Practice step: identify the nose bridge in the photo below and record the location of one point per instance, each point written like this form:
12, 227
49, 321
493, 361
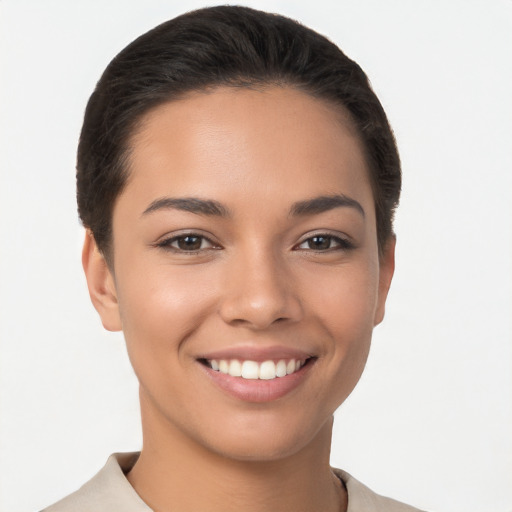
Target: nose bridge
259, 290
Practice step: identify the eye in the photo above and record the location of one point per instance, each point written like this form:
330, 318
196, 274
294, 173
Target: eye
187, 243
322, 242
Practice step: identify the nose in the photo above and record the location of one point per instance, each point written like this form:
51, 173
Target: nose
259, 292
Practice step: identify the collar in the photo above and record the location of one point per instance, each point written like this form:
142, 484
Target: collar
110, 490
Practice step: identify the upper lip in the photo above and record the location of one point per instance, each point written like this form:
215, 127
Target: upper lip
257, 353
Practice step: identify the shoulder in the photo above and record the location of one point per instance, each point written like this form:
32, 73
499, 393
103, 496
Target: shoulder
107, 491
363, 499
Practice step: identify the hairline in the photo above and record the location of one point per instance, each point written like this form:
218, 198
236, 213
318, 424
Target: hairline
344, 116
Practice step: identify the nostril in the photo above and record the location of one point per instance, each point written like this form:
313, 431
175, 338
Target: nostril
260, 303
257, 322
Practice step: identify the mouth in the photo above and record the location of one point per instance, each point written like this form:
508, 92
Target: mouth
257, 379
256, 370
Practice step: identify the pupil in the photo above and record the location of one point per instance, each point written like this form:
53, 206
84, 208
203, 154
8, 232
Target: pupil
319, 242
189, 243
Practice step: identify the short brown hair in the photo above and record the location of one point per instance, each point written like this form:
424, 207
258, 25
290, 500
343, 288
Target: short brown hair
231, 46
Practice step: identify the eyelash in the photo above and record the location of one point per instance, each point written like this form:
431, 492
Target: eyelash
339, 243
168, 243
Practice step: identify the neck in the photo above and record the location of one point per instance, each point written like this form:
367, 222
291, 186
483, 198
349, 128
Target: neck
175, 472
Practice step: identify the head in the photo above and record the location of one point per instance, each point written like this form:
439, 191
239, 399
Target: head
222, 46
238, 177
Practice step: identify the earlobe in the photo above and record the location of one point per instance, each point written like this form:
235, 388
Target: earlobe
386, 271
100, 282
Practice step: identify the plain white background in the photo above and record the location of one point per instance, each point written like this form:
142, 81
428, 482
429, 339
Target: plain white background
430, 421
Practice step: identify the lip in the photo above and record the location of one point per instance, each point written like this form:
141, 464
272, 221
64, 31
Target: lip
257, 390
258, 354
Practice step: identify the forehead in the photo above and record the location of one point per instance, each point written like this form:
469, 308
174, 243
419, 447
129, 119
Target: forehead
233, 141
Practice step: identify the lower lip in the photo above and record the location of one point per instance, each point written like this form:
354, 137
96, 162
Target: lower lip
259, 390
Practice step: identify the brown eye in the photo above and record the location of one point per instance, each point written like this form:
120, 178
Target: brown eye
319, 243
187, 243
324, 243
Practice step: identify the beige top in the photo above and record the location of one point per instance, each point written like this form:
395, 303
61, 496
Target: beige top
110, 491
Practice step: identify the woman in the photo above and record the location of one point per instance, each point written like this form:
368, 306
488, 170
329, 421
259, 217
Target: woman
237, 178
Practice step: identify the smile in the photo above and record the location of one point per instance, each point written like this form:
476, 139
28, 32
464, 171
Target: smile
252, 370
257, 374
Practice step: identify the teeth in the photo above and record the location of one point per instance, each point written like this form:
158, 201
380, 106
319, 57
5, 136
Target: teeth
223, 366
281, 369
250, 370
235, 368
267, 370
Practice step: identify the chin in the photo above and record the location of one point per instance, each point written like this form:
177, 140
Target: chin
266, 442
262, 451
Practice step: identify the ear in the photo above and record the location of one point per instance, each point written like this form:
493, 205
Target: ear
101, 284
386, 271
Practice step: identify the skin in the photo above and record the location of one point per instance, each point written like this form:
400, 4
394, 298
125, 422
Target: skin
260, 281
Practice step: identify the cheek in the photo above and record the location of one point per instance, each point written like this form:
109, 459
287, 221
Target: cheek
347, 298
347, 315
160, 308
159, 313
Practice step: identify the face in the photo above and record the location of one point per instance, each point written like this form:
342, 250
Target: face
246, 274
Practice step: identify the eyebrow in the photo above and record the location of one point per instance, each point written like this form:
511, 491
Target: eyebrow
188, 204
209, 207
325, 203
